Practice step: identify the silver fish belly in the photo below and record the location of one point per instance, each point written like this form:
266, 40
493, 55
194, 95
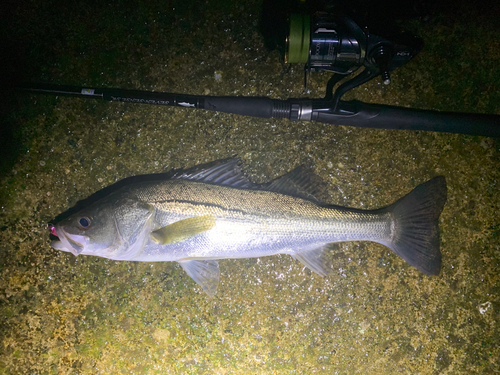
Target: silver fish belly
205, 214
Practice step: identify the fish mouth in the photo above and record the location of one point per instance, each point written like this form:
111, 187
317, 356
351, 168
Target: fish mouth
72, 243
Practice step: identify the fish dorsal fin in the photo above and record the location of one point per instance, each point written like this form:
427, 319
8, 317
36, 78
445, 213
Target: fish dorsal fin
183, 229
204, 272
300, 182
226, 172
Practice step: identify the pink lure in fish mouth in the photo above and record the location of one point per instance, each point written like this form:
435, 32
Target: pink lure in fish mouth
52, 229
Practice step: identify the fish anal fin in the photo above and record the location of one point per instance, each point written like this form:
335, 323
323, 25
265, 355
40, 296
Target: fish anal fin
313, 259
204, 272
183, 229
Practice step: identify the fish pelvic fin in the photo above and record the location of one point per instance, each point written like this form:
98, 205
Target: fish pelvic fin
415, 235
205, 272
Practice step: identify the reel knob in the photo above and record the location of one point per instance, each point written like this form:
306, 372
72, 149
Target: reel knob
382, 56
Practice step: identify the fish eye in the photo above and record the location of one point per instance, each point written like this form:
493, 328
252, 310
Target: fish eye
84, 222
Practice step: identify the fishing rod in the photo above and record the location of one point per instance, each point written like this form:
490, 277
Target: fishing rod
349, 113
323, 41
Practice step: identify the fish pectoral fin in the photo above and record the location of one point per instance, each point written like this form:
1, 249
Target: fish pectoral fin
204, 272
183, 229
313, 259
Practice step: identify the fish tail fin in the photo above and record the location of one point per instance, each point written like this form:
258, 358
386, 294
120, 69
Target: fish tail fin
415, 234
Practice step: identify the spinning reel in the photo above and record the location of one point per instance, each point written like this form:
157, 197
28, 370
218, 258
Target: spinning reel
328, 42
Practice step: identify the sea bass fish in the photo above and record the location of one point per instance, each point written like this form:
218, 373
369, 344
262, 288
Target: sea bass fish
214, 212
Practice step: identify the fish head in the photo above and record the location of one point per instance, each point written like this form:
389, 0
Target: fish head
109, 228
91, 231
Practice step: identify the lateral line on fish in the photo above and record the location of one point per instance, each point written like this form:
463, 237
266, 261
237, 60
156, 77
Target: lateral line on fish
194, 203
